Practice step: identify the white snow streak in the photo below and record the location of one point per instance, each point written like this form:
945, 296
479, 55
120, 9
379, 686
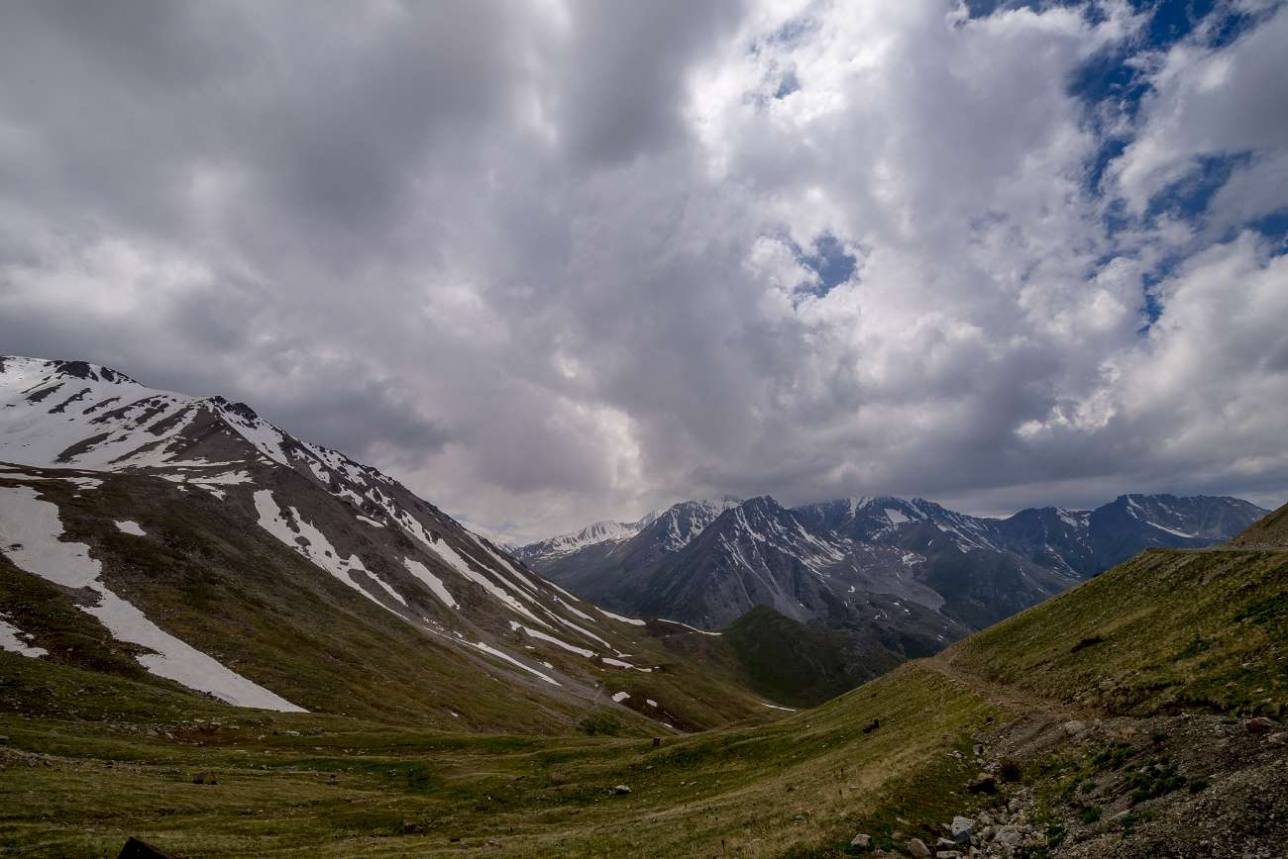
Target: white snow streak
34, 526
15, 640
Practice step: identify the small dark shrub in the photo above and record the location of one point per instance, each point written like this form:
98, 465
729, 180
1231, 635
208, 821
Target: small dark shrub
602, 724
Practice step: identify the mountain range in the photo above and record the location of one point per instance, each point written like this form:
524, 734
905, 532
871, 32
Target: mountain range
902, 577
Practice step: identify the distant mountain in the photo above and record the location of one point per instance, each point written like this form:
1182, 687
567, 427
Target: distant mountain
187, 543
949, 572
601, 559
676, 526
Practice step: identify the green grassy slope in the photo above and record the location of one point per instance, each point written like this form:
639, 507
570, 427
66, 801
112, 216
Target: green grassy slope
1198, 631
802, 665
1270, 531
237, 594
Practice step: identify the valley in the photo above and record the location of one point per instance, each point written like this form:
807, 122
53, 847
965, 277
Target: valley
225, 641
1022, 702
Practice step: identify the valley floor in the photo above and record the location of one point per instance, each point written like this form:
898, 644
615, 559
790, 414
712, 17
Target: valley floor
1140, 715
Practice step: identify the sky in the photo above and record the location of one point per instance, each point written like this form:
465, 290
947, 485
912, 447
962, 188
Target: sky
557, 261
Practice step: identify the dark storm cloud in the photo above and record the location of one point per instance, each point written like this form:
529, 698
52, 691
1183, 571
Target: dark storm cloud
559, 261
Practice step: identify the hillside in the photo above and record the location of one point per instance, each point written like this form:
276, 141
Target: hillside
185, 543
1117, 719
1271, 531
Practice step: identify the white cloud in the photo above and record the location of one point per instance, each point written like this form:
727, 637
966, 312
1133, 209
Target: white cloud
547, 263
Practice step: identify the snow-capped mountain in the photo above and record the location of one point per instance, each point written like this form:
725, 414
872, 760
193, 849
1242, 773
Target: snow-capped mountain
599, 566
970, 570
677, 525
877, 520
206, 546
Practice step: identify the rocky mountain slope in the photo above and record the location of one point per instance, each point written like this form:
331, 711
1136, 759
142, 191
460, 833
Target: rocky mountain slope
970, 570
1271, 531
1139, 715
187, 543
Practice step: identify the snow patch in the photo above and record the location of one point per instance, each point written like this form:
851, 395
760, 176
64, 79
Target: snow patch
308, 541
35, 527
501, 654
431, 581
691, 628
15, 640
633, 621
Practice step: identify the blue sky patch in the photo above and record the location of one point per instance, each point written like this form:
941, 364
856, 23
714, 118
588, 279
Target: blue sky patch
830, 261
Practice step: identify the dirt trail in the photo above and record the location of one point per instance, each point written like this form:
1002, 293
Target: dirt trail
1008, 697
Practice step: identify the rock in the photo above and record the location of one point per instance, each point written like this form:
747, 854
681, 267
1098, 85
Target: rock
411, 827
871, 726
1009, 836
205, 778
982, 783
918, 848
961, 829
1279, 739
1258, 725
621, 790
1075, 727
862, 841
948, 854
136, 849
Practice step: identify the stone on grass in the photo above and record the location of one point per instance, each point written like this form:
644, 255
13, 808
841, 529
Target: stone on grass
961, 829
863, 841
1009, 836
918, 848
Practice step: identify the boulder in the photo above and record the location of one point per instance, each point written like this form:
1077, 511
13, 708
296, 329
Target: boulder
1279, 739
137, 849
1009, 836
982, 783
621, 790
918, 848
1258, 725
961, 829
862, 841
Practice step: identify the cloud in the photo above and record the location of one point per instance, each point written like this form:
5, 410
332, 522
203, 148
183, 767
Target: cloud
566, 261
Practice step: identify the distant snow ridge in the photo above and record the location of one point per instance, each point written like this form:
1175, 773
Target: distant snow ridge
31, 530
677, 525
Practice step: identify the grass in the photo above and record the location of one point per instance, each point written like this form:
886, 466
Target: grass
345, 786
117, 756
272, 616
1201, 630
